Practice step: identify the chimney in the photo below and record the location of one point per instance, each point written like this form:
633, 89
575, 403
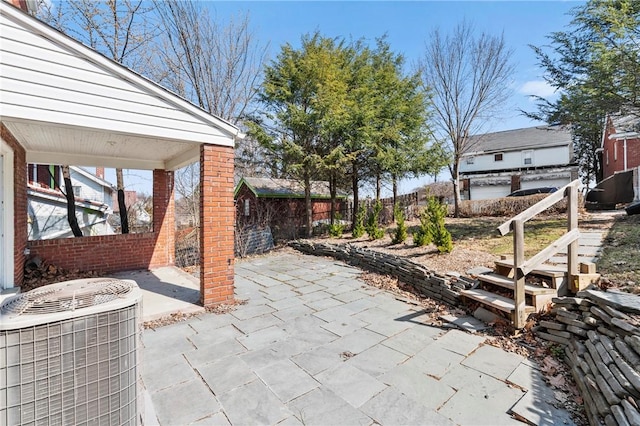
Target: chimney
100, 172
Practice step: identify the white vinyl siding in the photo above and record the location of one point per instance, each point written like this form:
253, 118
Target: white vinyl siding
80, 92
553, 156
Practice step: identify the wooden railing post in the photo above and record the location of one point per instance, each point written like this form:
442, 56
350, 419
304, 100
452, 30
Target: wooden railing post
519, 315
572, 223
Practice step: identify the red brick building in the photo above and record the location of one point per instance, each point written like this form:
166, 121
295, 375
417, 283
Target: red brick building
621, 144
280, 204
64, 103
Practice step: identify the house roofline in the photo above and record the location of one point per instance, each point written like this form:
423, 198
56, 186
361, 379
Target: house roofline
279, 195
127, 74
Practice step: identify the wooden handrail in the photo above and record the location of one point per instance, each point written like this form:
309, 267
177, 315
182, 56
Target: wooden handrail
539, 207
544, 255
522, 266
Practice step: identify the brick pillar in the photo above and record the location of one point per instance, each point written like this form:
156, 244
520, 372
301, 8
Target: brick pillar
217, 216
164, 221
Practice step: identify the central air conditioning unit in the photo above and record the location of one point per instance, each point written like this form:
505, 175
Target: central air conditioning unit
70, 354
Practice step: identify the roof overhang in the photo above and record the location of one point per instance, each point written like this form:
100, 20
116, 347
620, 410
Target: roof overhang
51, 136
624, 135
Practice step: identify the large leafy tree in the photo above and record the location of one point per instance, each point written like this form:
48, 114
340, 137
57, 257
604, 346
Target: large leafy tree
595, 66
468, 76
299, 95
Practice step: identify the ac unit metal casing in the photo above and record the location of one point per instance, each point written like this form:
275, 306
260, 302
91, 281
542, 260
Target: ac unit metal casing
70, 354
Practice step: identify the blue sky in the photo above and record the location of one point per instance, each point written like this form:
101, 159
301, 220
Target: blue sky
408, 25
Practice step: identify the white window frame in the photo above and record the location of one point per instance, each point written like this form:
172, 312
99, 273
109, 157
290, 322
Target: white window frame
471, 159
527, 155
495, 157
247, 207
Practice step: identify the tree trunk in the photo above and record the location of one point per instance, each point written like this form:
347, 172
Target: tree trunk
354, 188
378, 186
71, 203
456, 188
394, 183
124, 219
332, 193
307, 204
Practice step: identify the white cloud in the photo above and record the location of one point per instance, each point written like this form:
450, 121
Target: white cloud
537, 88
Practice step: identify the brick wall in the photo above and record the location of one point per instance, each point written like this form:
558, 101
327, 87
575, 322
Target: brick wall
106, 253
19, 202
216, 225
613, 155
110, 253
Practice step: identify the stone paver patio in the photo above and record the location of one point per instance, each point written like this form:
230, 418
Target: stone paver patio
314, 345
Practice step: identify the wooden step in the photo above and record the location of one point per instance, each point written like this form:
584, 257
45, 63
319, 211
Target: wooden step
501, 281
551, 271
495, 301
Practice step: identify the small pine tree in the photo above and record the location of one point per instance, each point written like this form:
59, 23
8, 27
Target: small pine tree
337, 228
422, 236
373, 229
440, 236
358, 227
400, 234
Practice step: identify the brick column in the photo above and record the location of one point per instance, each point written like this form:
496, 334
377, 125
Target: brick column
164, 221
19, 204
217, 218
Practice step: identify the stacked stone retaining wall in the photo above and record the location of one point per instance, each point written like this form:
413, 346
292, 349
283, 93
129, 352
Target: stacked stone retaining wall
602, 347
423, 280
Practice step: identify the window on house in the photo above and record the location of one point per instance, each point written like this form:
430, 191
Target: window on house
77, 191
527, 158
497, 157
607, 157
615, 151
247, 207
470, 160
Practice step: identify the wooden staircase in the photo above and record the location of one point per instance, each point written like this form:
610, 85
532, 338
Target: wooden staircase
513, 286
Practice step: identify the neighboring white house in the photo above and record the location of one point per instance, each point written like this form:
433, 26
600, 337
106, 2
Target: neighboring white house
47, 206
502, 162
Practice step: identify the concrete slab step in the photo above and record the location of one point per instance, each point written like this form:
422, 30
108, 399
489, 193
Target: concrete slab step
495, 301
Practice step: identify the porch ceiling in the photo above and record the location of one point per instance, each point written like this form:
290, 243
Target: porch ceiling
48, 143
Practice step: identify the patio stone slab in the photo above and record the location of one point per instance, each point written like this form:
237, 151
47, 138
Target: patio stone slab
356, 342
389, 327
317, 360
393, 408
214, 352
214, 336
218, 419
286, 303
286, 380
254, 404
226, 374
322, 304
161, 373
262, 338
484, 401
323, 407
493, 361
434, 361
251, 311
293, 312
467, 323
193, 394
344, 326
333, 314
413, 340
460, 342
351, 384
425, 390
254, 324
350, 296
316, 295
377, 360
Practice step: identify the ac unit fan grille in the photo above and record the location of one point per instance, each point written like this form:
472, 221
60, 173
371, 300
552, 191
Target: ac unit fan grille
67, 296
